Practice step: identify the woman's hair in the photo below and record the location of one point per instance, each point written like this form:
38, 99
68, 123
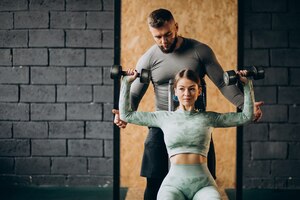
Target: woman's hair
189, 74
157, 18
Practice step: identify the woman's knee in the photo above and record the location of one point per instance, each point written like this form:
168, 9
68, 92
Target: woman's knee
169, 193
207, 193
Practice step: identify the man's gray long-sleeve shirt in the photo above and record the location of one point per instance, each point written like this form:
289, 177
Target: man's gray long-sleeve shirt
164, 66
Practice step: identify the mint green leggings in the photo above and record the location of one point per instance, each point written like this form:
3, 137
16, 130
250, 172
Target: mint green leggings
188, 182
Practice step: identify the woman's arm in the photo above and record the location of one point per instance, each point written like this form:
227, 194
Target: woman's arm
237, 119
127, 114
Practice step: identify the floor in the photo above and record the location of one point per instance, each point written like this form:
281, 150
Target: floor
58, 193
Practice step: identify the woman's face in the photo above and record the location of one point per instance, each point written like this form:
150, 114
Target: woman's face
187, 92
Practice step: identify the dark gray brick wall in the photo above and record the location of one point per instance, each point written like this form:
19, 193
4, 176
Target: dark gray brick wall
56, 93
271, 146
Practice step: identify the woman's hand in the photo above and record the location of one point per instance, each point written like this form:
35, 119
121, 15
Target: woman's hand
242, 76
131, 75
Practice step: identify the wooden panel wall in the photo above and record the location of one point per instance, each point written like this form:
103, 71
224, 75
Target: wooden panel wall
213, 22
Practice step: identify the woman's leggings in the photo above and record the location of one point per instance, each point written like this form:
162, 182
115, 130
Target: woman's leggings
188, 182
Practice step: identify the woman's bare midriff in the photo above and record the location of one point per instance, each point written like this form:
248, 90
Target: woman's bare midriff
188, 158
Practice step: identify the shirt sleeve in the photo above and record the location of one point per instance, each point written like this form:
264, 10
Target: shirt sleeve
240, 118
151, 119
215, 73
138, 89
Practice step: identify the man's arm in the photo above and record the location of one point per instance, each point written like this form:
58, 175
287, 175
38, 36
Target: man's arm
215, 72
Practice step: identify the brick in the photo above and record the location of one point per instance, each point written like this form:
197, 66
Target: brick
108, 39
269, 6
294, 39
66, 165
31, 19
108, 148
48, 75
255, 132
44, 5
87, 75
11, 180
13, 38
74, 93
294, 149
87, 180
66, 129
103, 94
14, 111
82, 111
294, 76
30, 56
83, 5
99, 57
293, 183
108, 5
294, 113
10, 147
269, 150
103, 130
285, 57
5, 57
6, 130
246, 152
284, 132
46, 38
294, 6
103, 20
83, 38
257, 57
270, 39
17, 5
14, 75
101, 166
47, 111
85, 147
30, 129
6, 20
264, 183
67, 57
7, 165
274, 76
106, 76
9, 93
289, 21
257, 169
37, 93
247, 39
49, 180
266, 94
257, 21
107, 115
289, 95
34, 165
67, 20
274, 113
48, 147
285, 168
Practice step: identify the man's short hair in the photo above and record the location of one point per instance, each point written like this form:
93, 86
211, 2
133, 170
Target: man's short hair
157, 18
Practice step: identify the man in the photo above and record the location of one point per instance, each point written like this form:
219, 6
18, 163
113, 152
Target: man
170, 54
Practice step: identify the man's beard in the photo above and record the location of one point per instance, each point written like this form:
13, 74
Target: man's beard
171, 48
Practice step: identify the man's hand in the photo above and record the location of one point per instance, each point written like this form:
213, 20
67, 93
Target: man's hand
117, 120
257, 111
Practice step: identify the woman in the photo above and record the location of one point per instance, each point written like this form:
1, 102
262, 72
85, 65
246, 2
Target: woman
187, 133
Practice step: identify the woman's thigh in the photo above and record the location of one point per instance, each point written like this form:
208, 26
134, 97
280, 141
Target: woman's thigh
169, 193
207, 193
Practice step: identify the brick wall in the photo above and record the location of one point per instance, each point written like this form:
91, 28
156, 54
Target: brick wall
55, 92
271, 147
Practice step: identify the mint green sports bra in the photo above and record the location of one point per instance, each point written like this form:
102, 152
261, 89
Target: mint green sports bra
186, 131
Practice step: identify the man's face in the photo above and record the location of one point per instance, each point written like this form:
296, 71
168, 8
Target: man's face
166, 36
